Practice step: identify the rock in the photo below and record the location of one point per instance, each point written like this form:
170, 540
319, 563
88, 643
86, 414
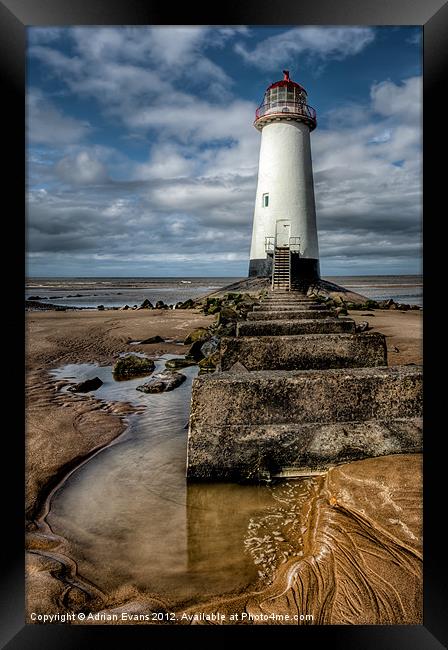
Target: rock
395, 349
152, 339
161, 305
124, 308
213, 309
226, 330
403, 306
196, 335
100, 307
178, 305
195, 353
362, 326
338, 301
178, 363
210, 362
393, 306
35, 298
227, 314
188, 304
212, 305
385, 304
86, 386
209, 347
146, 304
162, 382
132, 366
341, 311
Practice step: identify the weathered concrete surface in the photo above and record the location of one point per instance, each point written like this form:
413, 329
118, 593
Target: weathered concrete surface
308, 351
291, 314
258, 452
249, 424
289, 306
299, 396
288, 295
291, 327
274, 299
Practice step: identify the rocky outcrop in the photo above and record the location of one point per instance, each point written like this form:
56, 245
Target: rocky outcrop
178, 363
131, 366
162, 382
152, 339
146, 304
86, 386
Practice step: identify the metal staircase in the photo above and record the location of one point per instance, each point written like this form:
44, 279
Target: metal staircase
281, 274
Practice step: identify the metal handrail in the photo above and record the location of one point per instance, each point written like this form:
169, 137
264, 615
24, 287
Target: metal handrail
295, 108
294, 244
269, 244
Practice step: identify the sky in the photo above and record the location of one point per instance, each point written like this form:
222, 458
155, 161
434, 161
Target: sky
142, 157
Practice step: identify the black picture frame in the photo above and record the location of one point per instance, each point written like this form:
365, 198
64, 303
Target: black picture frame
15, 16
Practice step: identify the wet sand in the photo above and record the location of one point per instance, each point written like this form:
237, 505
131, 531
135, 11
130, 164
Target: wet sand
362, 560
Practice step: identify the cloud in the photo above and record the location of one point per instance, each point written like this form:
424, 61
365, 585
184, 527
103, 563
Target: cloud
48, 125
398, 100
37, 35
81, 169
321, 42
166, 162
123, 65
369, 207
189, 197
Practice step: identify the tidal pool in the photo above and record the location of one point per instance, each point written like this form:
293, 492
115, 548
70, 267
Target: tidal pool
131, 518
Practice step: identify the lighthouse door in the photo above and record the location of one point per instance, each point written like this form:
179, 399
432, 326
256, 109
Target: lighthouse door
282, 233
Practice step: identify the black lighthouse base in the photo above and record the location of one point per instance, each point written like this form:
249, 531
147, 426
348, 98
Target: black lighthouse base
304, 270
261, 268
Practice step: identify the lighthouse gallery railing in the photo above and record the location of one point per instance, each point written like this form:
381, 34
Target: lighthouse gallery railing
296, 108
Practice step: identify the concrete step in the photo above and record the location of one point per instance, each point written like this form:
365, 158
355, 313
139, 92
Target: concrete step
291, 314
299, 396
289, 295
303, 352
287, 299
291, 327
259, 453
290, 306
244, 424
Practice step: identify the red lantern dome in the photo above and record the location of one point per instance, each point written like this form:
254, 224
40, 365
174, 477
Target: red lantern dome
285, 99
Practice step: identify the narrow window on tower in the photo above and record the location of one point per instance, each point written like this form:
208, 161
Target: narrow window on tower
265, 200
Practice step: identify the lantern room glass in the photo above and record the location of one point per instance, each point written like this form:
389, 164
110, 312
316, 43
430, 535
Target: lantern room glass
284, 95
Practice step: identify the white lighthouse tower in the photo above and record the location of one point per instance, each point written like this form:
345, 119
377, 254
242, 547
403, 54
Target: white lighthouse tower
284, 239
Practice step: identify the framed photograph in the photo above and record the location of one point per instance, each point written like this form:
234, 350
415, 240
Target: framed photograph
223, 324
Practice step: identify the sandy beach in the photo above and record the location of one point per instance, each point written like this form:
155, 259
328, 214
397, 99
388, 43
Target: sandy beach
64, 430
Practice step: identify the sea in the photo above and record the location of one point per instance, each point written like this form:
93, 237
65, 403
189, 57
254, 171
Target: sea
117, 292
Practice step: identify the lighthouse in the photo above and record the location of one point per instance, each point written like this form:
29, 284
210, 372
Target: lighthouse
284, 237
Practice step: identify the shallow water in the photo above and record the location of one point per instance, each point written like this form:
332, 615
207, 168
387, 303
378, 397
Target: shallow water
116, 292
131, 518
